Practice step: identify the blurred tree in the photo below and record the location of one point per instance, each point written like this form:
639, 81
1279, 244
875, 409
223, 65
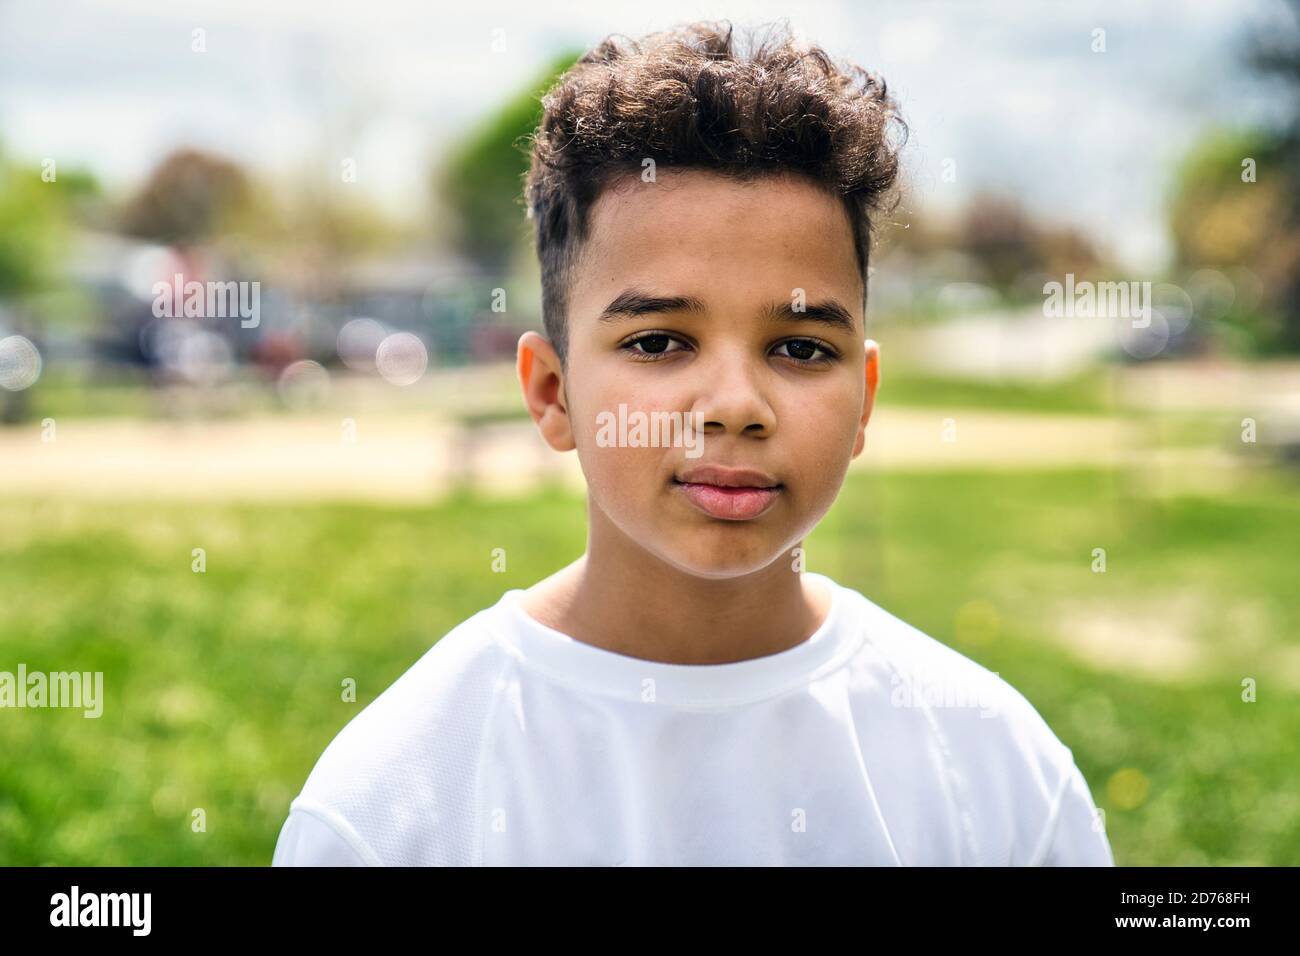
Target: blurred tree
996, 233
1218, 220
33, 221
1009, 244
190, 196
35, 215
1276, 54
482, 181
1217, 217
1236, 200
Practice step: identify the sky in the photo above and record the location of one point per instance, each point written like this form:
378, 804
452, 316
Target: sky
1012, 91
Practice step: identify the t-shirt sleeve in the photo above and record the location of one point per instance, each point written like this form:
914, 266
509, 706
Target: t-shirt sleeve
312, 836
1075, 833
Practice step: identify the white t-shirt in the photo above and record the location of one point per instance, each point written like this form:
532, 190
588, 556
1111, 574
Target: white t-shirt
510, 743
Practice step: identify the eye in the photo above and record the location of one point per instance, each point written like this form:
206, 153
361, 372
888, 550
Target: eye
803, 351
651, 345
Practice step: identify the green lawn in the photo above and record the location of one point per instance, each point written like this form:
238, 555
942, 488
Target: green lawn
1088, 393
223, 688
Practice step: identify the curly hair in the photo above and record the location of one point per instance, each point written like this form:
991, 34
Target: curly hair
689, 98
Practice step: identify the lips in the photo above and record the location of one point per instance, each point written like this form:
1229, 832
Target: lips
735, 494
724, 477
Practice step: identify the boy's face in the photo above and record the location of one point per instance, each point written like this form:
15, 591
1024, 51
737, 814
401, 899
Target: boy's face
741, 253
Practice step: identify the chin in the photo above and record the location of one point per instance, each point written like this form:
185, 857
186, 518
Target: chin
720, 558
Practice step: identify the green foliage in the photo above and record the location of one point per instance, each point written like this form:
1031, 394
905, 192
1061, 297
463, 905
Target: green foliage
1234, 202
484, 176
33, 227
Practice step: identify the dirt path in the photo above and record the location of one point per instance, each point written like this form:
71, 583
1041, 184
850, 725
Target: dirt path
415, 457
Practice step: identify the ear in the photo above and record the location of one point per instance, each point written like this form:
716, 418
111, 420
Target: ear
542, 379
869, 399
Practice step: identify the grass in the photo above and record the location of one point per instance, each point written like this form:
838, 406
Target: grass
1089, 393
223, 688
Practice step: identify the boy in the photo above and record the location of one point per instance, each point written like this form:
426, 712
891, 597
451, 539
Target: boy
682, 693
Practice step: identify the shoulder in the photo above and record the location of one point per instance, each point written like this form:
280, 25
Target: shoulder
403, 771
1008, 775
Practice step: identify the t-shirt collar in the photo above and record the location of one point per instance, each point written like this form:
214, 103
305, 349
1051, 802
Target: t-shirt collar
595, 669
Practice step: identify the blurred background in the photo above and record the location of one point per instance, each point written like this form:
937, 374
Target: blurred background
232, 517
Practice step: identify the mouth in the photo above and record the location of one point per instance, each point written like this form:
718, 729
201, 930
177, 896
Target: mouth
732, 495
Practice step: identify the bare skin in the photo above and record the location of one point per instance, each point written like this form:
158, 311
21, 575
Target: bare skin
662, 578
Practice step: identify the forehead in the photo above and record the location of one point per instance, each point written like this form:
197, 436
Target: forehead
773, 233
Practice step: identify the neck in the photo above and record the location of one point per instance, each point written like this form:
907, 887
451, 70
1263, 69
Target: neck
622, 598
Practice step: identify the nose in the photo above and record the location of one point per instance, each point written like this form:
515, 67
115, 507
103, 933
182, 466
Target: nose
732, 397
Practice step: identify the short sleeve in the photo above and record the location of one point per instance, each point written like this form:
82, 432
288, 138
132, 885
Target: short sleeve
1075, 834
310, 838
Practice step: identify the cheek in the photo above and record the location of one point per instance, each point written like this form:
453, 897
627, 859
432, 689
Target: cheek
615, 473
819, 456
826, 447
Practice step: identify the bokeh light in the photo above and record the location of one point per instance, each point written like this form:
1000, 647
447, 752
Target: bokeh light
20, 363
358, 343
402, 358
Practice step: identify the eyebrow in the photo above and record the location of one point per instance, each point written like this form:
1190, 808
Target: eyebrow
632, 303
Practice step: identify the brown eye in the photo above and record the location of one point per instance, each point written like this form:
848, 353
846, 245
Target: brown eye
805, 351
652, 345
